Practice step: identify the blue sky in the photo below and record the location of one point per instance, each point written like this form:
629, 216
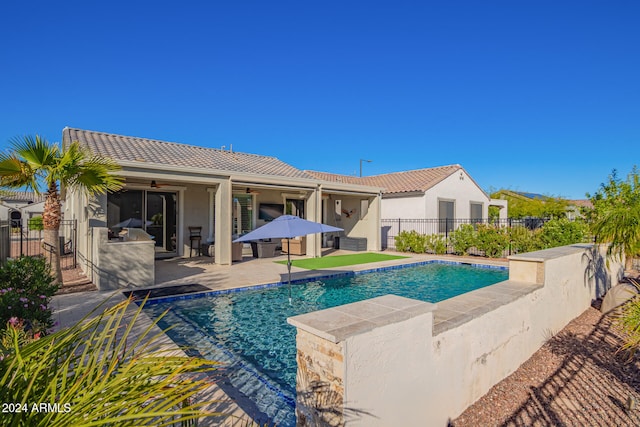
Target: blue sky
540, 96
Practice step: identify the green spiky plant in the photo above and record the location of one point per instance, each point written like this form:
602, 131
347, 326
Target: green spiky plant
615, 217
99, 374
628, 322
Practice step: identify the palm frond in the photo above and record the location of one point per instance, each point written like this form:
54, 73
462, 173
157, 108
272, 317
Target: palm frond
15, 173
36, 151
91, 174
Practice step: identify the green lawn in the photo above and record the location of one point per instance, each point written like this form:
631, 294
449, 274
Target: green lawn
340, 260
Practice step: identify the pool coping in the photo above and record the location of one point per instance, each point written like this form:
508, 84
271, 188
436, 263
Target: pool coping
349, 273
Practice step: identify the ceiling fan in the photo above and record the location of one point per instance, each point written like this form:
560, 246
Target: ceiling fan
155, 184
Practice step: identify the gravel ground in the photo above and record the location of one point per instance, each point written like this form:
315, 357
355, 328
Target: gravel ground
575, 379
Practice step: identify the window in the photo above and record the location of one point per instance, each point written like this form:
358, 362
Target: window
475, 212
446, 215
242, 213
125, 209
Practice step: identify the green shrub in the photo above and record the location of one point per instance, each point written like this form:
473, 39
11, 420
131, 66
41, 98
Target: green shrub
411, 241
26, 288
524, 240
492, 240
436, 243
561, 232
463, 239
36, 224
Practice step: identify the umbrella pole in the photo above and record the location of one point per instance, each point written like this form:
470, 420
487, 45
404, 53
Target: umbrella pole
289, 266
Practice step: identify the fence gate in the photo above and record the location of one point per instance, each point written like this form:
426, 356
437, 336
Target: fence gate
25, 238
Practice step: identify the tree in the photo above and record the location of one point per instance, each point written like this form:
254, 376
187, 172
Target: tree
521, 206
615, 217
36, 164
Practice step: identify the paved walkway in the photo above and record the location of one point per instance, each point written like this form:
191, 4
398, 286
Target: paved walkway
70, 308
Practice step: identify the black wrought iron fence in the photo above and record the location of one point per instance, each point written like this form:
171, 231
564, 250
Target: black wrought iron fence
444, 227
26, 238
5, 235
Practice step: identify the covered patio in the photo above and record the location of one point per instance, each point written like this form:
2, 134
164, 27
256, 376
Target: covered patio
193, 201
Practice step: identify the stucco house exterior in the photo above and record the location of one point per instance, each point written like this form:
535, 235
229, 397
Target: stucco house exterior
21, 205
430, 201
171, 187
438, 192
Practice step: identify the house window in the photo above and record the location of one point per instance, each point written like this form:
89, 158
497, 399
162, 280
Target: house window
475, 211
242, 214
446, 215
153, 211
125, 209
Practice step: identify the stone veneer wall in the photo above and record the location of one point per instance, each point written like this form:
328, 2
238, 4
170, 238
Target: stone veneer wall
320, 385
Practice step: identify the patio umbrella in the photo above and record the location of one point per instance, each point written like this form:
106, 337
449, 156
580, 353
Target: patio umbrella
132, 223
287, 227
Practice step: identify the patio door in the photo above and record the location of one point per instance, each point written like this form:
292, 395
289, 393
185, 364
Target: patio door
161, 218
154, 211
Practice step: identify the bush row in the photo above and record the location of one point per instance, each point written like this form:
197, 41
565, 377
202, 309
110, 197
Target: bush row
493, 241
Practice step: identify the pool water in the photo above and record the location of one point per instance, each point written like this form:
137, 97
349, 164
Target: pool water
247, 331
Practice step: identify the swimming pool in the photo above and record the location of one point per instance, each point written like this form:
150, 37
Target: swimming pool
248, 332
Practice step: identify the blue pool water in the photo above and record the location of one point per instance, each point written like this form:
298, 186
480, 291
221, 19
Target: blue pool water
247, 331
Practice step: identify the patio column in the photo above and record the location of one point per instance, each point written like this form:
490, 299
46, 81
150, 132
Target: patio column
314, 214
223, 223
212, 199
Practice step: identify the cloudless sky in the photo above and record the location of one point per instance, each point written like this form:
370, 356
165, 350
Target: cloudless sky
539, 96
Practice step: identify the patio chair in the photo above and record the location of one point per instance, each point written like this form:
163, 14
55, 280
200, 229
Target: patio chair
195, 240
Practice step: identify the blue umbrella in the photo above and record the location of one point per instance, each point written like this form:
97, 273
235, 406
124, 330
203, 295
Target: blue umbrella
287, 227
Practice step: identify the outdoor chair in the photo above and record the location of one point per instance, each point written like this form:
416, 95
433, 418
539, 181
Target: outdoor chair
195, 240
295, 246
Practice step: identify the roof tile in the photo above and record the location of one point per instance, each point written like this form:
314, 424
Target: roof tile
397, 182
129, 148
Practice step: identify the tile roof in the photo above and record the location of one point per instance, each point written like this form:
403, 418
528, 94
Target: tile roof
396, 182
22, 196
582, 203
143, 150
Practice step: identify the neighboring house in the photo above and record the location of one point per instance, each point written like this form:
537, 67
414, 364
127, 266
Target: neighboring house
445, 192
576, 208
170, 187
17, 205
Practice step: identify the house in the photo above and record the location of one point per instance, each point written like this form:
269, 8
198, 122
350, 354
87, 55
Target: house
576, 208
445, 192
20, 205
173, 191
430, 200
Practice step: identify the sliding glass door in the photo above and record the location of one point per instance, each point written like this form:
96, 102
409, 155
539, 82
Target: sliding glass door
153, 211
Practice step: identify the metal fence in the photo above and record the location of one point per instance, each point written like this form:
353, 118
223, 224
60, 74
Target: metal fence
5, 234
444, 227
25, 238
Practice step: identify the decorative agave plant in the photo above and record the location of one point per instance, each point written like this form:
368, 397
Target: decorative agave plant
96, 373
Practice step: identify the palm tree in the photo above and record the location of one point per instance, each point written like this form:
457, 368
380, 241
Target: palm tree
38, 165
615, 217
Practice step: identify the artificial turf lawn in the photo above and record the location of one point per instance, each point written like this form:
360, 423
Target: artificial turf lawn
340, 260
